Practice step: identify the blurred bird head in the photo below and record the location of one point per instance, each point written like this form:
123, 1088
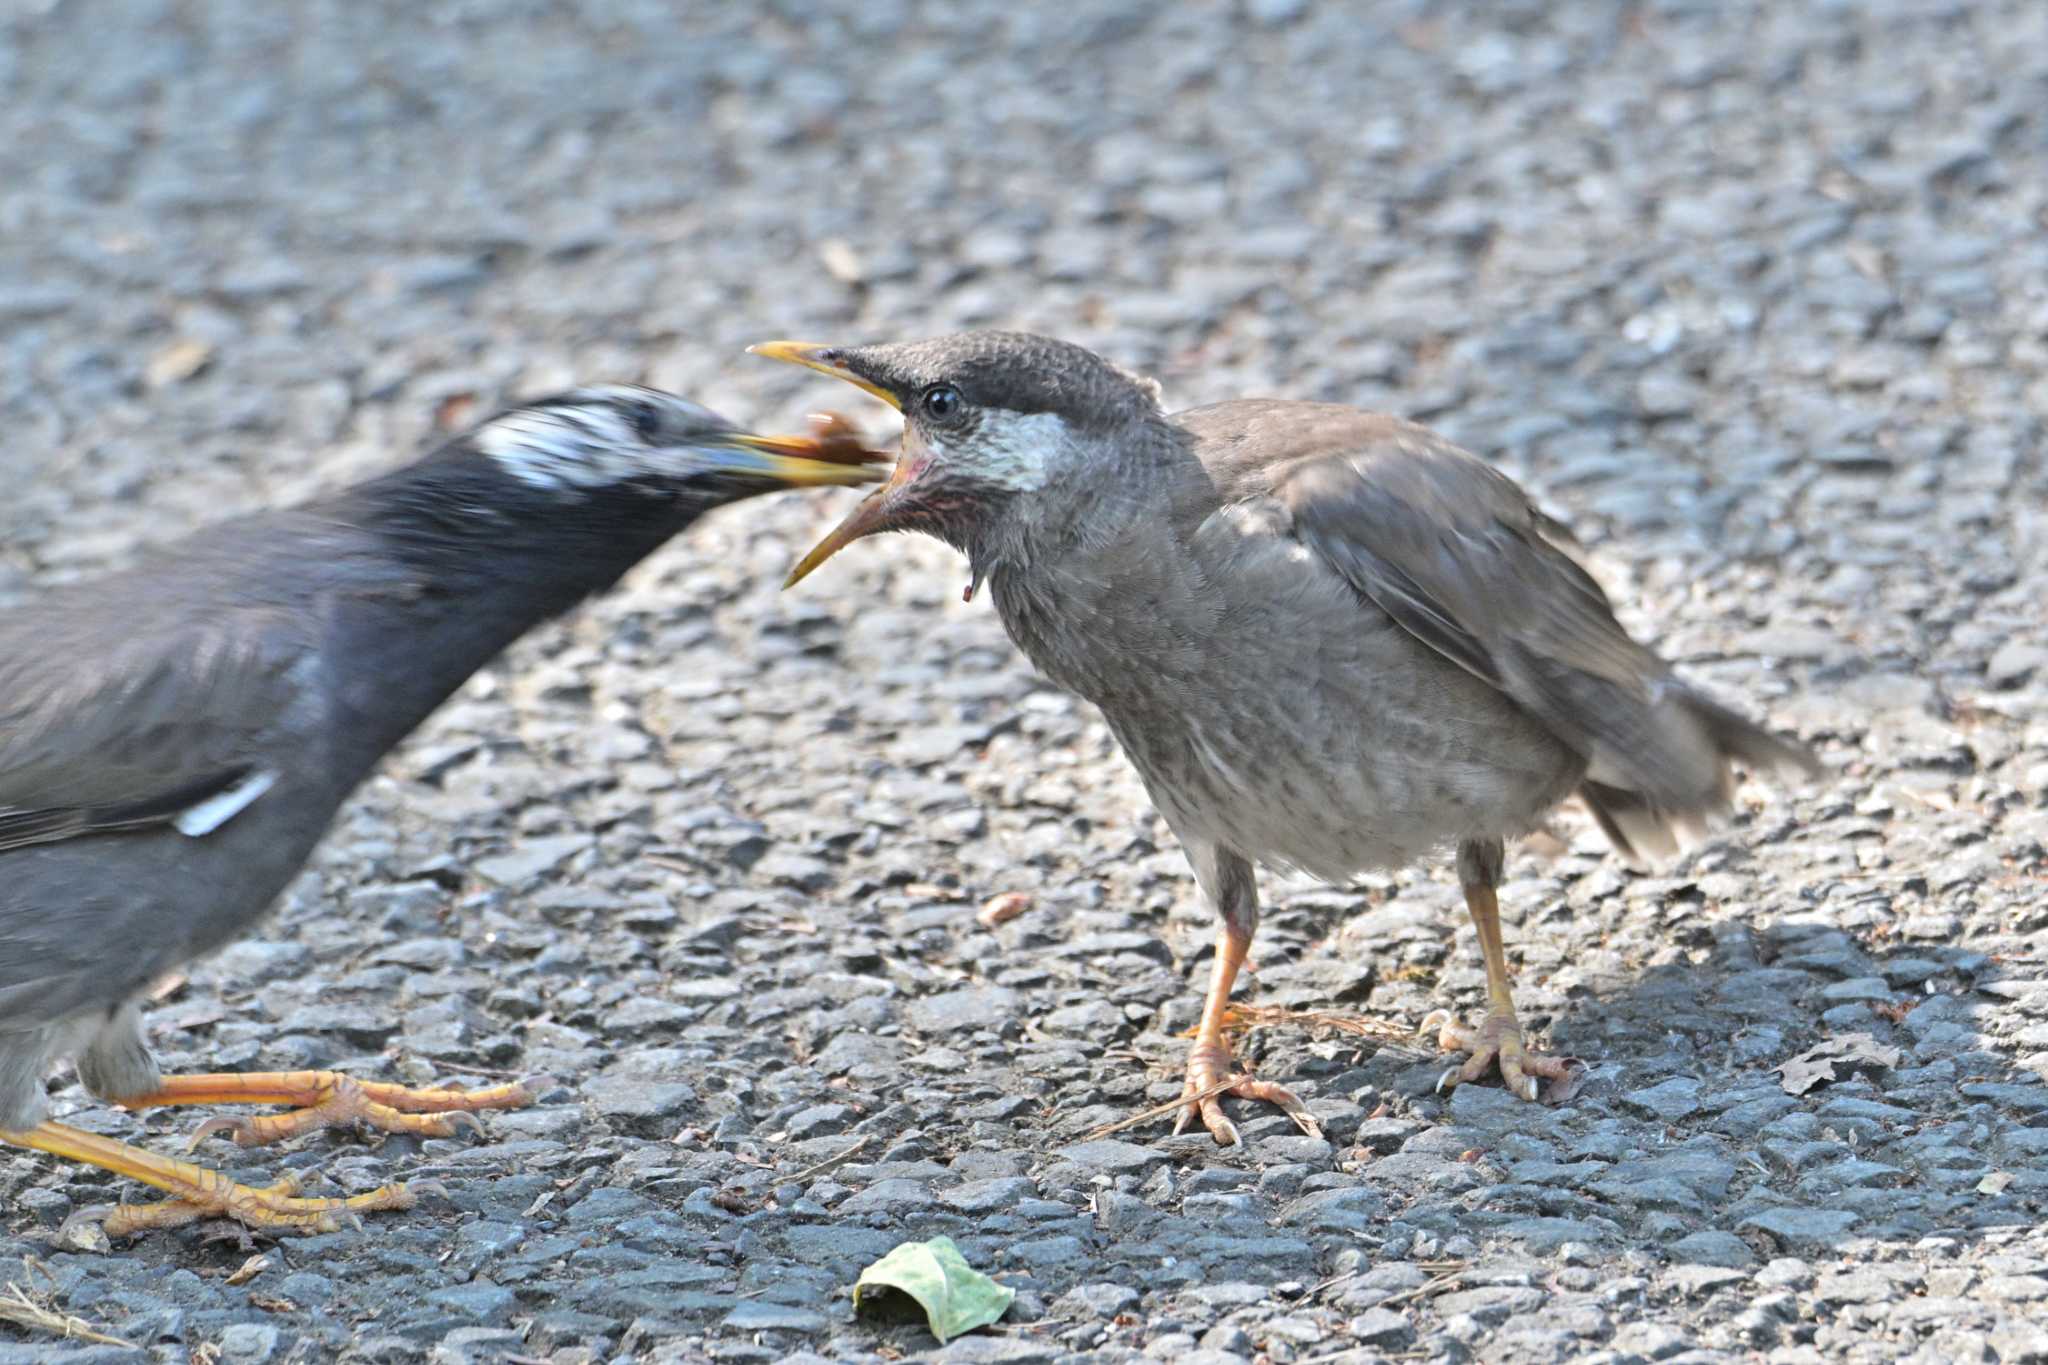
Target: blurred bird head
621, 438
992, 421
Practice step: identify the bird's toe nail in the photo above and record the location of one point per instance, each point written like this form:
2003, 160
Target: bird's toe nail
207, 1129
1447, 1081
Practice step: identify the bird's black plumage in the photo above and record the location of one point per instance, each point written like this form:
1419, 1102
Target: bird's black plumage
176, 738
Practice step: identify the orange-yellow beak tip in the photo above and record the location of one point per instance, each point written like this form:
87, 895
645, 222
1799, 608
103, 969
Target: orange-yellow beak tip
865, 519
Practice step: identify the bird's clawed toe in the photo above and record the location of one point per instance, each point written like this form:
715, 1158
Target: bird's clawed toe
1213, 1073
1497, 1042
329, 1099
275, 1209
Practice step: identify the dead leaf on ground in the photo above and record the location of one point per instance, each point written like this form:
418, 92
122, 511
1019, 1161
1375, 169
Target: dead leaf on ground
1003, 908
177, 362
1849, 1051
938, 1285
250, 1269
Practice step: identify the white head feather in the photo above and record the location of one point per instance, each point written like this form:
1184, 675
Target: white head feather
602, 436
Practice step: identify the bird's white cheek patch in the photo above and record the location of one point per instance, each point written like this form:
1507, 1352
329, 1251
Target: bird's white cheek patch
1017, 450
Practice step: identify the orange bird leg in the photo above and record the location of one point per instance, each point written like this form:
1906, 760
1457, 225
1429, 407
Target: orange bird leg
1498, 1039
1210, 1062
328, 1099
197, 1192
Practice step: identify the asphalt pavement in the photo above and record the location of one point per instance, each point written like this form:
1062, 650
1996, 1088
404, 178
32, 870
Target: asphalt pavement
1754, 296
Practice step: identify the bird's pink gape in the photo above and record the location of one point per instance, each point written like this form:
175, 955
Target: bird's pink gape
876, 512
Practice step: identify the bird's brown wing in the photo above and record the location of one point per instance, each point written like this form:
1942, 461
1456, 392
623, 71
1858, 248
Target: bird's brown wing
1454, 552
125, 714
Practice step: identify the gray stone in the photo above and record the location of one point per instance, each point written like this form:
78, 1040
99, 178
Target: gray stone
248, 1343
1803, 1228
1112, 1156
1713, 1247
977, 1007
774, 1317
1096, 1301
989, 1196
892, 1197
1551, 1234
532, 859
2015, 661
1381, 1327
1862, 988
1668, 1101
480, 1301
650, 1108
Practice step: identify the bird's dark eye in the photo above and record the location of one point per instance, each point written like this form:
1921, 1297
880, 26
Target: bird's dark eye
647, 421
941, 402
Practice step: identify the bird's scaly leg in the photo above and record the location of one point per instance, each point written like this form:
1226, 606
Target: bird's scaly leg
327, 1099
1498, 1039
1228, 880
197, 1192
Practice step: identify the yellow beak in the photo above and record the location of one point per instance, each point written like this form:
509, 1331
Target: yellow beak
816, 356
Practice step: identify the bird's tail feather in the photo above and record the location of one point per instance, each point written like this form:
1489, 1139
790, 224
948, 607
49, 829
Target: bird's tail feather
1644, 827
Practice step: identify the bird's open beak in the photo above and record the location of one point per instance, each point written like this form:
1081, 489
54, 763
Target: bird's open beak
872, 513
825, 360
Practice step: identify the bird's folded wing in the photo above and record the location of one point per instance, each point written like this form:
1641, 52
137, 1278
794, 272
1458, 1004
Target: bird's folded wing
113, 721
1456, 554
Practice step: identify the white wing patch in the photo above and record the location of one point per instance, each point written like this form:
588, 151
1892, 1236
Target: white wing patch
198, 821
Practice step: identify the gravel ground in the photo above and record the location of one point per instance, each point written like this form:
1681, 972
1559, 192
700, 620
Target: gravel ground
1755, 295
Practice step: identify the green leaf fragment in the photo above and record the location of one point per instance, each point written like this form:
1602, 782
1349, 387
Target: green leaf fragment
955, 1296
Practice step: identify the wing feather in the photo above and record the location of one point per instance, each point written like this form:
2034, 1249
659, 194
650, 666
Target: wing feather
1456, 554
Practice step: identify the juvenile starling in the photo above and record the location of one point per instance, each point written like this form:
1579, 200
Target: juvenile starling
175, 739
1328, 639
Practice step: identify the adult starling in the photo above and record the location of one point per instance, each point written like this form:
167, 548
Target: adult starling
1328, 639
175, 739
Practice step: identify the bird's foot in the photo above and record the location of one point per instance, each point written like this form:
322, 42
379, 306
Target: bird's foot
1498, 1042
1214, 1073
277, 1209
196, 1192
328, 1099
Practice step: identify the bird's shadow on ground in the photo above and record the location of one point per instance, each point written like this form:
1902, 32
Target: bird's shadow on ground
1685, 1137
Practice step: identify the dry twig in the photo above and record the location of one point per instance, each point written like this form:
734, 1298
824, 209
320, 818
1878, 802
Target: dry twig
832, 1163
18, 1308
1161, 1110
1274, 1016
